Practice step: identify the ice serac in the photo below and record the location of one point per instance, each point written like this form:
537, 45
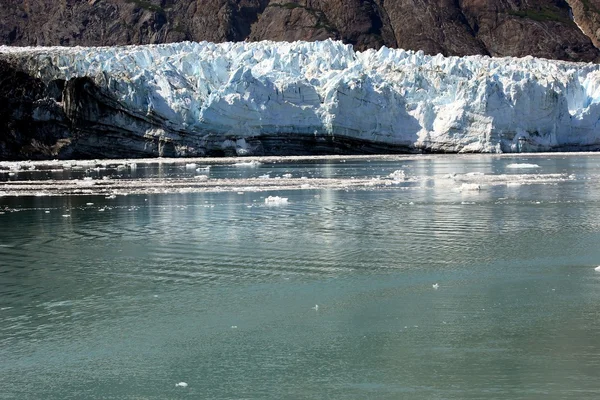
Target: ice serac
194, 99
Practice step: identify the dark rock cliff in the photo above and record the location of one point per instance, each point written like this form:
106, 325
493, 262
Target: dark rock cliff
542, 28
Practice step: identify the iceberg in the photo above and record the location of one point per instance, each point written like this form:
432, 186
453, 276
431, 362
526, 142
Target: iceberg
279, 98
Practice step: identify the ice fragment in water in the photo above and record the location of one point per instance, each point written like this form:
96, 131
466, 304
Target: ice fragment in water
251, 164
522, 166
597, 268
398, 175
469, 187
181, 384
275, 200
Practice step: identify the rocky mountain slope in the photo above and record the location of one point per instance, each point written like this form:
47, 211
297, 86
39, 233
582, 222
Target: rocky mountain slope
542, 28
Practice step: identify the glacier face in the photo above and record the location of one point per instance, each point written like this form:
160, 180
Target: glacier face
238, 95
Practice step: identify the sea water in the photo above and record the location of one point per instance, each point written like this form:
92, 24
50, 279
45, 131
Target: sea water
460, 277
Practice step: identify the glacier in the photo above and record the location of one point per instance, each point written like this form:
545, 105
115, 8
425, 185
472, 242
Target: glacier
196, 99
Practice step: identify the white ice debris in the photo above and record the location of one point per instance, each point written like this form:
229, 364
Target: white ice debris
251, 164
436, 286
522, 166
181, 384
597, 268
391, 96
276, 200
467, 187
398, 176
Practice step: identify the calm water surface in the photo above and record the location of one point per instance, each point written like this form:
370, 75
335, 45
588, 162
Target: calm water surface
123, 298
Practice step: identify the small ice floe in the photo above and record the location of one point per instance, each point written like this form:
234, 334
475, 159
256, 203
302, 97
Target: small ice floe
112, 196
47, 212
201, 177
203, 169
89, 204
66, 215
316, 307
233, 326
191, 166
251, 164
522, 166
276, 200
287, 176
435, 286
181, 384
121, 167
597, 269
265, 176
470, 187
11, 174
398, 176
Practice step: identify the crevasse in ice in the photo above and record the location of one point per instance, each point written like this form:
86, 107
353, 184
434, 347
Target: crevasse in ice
387, 96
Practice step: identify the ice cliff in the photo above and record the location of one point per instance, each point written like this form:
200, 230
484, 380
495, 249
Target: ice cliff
297, 98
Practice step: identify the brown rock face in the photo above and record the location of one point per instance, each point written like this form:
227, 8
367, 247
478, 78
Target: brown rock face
587, 15
542, 28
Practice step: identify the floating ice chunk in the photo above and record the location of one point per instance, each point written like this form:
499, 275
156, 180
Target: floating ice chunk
66, 215
597, 268
89, 204
276, 200
251, 164
201, 177
435, 286
398, 175
112, 196
316, 307
85, 182
47, 212
265, 176
287, 176
190, 166
11, 174
468, 187
202, 169
181, 384
522, 166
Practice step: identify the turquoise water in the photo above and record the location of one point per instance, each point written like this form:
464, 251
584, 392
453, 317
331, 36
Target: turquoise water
123, 298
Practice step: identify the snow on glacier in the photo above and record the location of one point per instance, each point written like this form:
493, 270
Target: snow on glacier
388, 96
